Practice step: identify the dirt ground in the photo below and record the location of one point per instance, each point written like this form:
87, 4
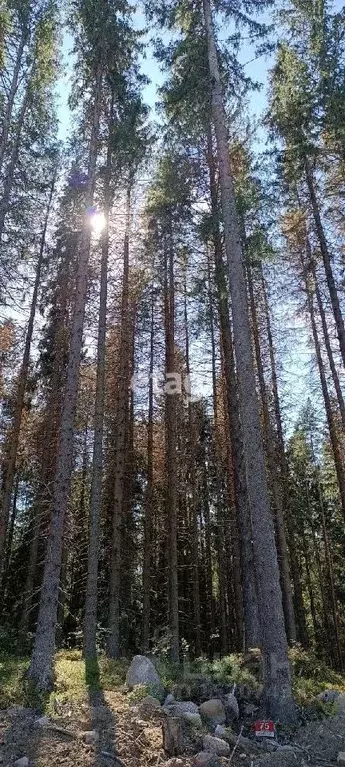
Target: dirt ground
126, 741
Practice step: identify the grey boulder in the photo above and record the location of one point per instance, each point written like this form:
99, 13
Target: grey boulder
216, 746
142, 672
213, 711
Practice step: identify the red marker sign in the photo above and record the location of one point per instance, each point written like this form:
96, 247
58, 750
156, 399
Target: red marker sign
264, 729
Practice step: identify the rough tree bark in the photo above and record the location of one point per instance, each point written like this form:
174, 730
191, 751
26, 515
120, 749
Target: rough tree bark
41, 666
277, 676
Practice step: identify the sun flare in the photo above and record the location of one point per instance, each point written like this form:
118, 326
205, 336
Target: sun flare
98, 222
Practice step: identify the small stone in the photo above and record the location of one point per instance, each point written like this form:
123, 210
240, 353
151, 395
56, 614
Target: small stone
328, 696
242, 756
220, 731
91, 737
216, 746
23, 762
194, 719
42, 722
287, 749
213, 711
341, 758
169, 700
206, 759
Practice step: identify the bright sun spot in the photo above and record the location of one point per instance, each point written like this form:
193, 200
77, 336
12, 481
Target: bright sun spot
98, 222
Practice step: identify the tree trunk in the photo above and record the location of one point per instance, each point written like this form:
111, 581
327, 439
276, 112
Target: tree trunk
90, 616
10, 461
339, 321
330, 355
171, 445
295, 565
250, 602
148, 521
193, 496
328, 406
113, 644
8, 182
277, 677
272, 465
10, 101
41, 667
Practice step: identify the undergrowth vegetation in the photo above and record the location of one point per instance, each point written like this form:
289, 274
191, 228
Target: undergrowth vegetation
75, 680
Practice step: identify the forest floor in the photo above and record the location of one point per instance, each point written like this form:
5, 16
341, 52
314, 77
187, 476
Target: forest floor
89, 699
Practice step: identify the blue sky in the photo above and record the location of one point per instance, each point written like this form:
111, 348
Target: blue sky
297, 364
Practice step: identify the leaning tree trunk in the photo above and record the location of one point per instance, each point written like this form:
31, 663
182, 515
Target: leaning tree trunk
10, 461
272, 465
90, 615
277, 677
41, 667
339, 320
113, 643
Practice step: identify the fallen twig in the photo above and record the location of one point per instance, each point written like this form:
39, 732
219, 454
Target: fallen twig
236, 745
